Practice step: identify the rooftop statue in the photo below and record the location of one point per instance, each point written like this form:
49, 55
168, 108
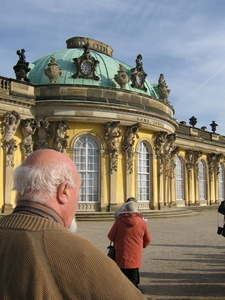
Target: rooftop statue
163, 89
21, 68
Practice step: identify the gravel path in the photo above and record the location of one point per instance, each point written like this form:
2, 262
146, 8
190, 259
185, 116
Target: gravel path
185, 260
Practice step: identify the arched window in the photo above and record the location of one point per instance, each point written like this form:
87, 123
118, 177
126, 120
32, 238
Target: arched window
179, 179
221, 181
86, 157
202, 180
143, 172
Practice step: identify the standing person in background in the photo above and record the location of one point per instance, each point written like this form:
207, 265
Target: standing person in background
40, 258
130, 235
121, 209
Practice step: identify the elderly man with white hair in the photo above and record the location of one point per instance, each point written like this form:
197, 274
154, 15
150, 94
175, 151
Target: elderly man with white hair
40, 258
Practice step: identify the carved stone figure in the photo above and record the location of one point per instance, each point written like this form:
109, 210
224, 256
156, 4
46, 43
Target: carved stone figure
139, 75
121, 77
44, 134
29, 127
193, 121
128, 141
213, 125
174, 154
11, 121
21, 54
164, 145
160, 141
190, 161
197, 155
211, 159
21, 68
112, 134
168, 148
53, 71
163, 89
61, 138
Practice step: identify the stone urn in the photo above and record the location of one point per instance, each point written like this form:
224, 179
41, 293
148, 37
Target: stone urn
53, 71
121, 77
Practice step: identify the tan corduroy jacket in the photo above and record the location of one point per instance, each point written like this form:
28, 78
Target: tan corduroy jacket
41, 260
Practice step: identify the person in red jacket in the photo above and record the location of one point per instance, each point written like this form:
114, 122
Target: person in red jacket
130, 235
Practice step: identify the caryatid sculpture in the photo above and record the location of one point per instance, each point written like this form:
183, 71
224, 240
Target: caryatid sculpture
112, 133
44, 133
61, 138
11, 121
128, 141
29, 127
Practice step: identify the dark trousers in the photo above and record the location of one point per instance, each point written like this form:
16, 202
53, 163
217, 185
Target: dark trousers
132, 275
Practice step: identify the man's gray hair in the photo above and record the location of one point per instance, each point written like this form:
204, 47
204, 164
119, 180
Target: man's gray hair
131, 206
37, 183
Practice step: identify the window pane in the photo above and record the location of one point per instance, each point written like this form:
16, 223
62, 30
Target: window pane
221, 181
179, 179
202, 180
86, 157
143, 172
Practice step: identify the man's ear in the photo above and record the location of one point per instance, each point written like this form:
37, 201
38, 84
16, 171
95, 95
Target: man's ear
62, 192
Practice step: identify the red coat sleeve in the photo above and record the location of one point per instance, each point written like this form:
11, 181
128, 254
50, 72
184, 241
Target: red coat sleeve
147, 237
112, 233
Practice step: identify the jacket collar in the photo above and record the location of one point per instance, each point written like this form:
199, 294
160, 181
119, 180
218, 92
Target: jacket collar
37, 209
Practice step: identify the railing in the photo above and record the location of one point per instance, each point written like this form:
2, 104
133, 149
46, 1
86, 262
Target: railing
4, 83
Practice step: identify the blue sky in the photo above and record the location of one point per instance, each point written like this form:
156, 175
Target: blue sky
182, 39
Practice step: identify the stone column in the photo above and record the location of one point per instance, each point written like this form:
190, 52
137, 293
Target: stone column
8, 189
189, 165
11, 121
103, 206
127, 143
112, 134
155, 183
197, 155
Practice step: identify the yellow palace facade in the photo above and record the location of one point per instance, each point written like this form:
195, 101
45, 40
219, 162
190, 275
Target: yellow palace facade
117, 127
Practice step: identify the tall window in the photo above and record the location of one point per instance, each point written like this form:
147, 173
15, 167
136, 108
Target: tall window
86, 157
221, 181
202, 180
179, 179
143, 172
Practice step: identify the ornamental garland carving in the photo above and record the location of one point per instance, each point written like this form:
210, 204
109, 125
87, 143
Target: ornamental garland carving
128, 141
86, 65
11, 121
61, 138
112, 134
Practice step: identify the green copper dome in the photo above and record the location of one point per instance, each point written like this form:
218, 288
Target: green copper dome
106, 69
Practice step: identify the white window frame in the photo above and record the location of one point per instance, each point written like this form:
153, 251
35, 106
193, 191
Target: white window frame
202, 180
87, 159
179, 179
221, 181
143, 172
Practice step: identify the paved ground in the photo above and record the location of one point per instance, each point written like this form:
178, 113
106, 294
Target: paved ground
186, 259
